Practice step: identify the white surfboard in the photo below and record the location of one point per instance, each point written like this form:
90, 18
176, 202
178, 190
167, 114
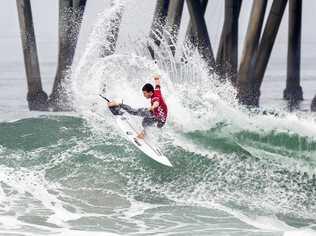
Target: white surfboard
130, 133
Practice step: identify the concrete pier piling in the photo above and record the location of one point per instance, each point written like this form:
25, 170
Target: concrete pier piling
111, 39
191, 36
266, 43
80, 5
36, 97
70, 18
293, 91
199, 27
227, 53
245, 83
173, 22
313, 105
230, 8
158, 24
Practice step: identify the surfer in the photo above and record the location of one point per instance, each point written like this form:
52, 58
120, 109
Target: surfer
156, 114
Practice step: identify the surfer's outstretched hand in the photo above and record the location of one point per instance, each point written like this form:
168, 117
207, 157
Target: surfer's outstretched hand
114, 104
157, 80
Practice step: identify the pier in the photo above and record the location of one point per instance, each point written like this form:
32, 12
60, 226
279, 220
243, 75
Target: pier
245, 75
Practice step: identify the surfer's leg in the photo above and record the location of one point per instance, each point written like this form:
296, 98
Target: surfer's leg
160, 124
148, 121
143, 112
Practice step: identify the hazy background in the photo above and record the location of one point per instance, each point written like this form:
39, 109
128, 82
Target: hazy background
136, 24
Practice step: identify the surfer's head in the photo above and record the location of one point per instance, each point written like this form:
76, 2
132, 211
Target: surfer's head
148, 90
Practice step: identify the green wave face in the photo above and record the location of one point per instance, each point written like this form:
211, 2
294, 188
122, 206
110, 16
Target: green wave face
58, 170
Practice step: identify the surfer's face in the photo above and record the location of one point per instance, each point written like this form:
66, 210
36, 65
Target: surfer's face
147, 94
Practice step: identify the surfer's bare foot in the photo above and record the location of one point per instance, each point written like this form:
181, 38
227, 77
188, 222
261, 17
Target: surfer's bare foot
141, 135
113, 104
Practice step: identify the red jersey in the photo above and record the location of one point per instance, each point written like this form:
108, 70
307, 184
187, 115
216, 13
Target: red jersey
161, 111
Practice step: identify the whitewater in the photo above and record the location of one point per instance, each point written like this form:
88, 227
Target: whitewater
235, 171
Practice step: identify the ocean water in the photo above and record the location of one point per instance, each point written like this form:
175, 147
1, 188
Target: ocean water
235, 172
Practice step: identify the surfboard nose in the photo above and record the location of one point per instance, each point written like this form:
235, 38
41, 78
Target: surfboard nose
166, 162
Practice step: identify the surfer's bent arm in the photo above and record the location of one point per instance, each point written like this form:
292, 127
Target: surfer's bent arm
154, 106
157, 81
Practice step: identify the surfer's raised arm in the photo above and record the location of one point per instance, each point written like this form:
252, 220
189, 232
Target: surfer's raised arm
157, 81
155, 101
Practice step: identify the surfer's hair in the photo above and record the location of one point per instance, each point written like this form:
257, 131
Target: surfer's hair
148, 88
